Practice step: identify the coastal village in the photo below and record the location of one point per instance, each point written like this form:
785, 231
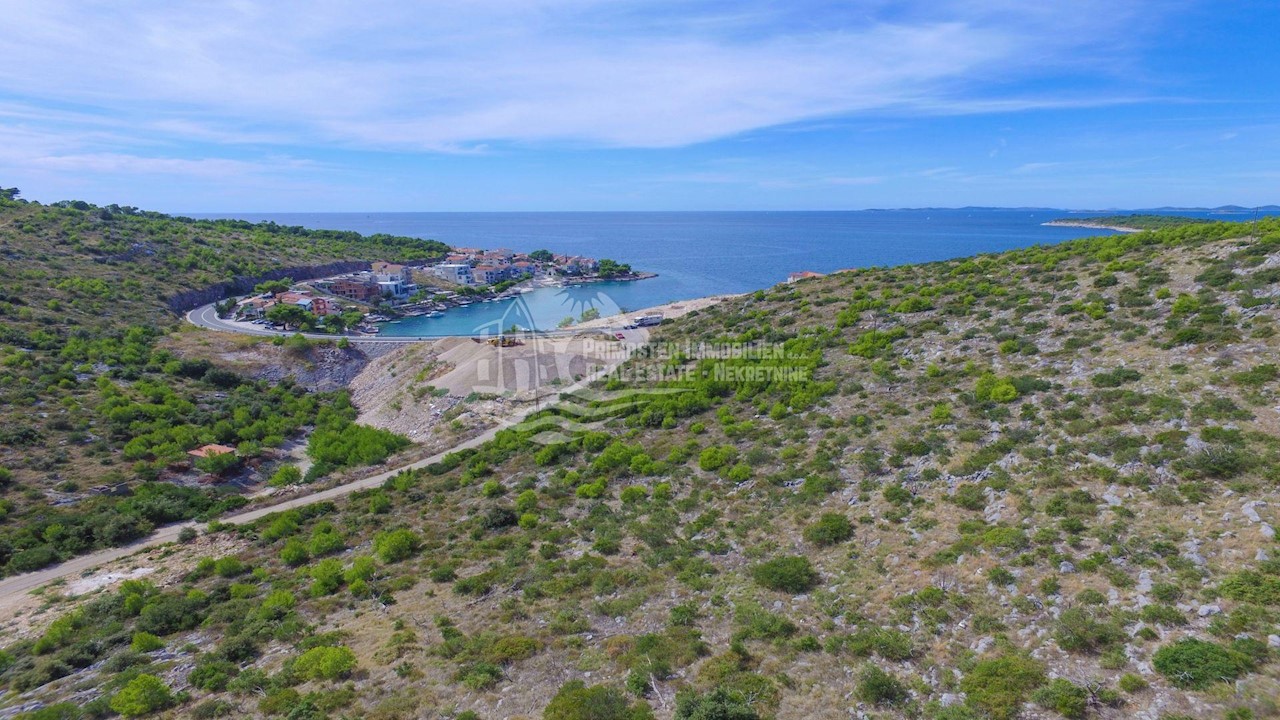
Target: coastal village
354, 302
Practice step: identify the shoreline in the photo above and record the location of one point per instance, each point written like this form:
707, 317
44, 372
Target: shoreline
673, 309
1094, 226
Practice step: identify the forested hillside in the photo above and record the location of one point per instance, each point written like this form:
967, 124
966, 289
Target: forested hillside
1034, 484
91, 409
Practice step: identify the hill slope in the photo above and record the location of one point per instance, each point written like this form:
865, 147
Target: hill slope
1038, 483
91, 406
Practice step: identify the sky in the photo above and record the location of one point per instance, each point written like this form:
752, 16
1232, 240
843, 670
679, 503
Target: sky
478, 105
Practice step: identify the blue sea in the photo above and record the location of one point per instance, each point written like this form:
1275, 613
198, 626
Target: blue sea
694, 253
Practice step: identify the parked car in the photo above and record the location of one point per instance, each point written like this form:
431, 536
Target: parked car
620, 336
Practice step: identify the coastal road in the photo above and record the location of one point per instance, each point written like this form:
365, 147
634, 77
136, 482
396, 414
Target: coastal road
207, 317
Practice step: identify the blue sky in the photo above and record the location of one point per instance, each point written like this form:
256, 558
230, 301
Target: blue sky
650, 104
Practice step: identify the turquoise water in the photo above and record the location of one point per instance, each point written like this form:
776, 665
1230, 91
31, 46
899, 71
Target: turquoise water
541, 309
694, 253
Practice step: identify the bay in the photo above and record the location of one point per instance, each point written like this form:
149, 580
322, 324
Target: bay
695, 254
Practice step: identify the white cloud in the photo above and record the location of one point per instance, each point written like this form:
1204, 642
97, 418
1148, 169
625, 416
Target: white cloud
120, 163
451, 76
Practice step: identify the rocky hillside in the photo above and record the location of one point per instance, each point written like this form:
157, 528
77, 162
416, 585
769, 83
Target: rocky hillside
93, 406
1035, 484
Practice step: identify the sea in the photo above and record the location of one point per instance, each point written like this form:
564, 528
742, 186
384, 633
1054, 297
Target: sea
694, 254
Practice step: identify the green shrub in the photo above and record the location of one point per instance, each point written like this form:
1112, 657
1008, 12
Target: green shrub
897, 494
1063, 697
1252, 586
739, 473
326, 577
396, 545
229, 567
831, 528
325, 663
325, 540
1009, 538
1196, 664
791, 573
479, 675
1078, 630
575, 701
998, 686
633, 494
142, 695
1160, 614
991, 388
888, 643
716, 457
969, 496
60, 711
286, 475
1131, 683
294, 553
880, 688
145, 642
212, 673
718, 704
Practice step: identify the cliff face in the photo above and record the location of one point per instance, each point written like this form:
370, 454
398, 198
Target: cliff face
242, 284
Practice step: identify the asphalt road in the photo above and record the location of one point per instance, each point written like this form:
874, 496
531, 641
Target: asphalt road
206, 317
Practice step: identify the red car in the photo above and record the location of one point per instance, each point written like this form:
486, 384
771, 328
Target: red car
620, 336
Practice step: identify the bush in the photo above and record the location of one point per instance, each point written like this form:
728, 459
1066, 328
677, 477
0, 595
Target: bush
480, 675
990, 388
1009, 538
396, 545
1194, 664
229, 567
1251, 586
294, 553
716, 457
325, 663
1079, 631
633, 494
326, 577
1063, 697
719, 704
830, 529
998, 686
880, 688
212, 673
970, 496
143, 695
60, 711
576, 701
791, 573
1131, 683
145, 642
286, 475
348, 444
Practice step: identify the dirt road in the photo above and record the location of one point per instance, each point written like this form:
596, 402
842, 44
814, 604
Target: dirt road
15, 588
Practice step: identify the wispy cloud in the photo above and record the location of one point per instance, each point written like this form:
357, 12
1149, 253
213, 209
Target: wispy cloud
449, 76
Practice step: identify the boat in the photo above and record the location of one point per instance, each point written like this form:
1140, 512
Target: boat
392, 322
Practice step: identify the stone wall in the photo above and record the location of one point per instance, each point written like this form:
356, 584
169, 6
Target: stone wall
243, 285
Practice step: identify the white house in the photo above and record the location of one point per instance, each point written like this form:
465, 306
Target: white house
456, 273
